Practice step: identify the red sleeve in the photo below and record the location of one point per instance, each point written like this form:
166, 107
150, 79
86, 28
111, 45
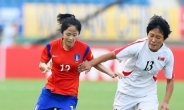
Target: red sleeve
45, 56
88, 54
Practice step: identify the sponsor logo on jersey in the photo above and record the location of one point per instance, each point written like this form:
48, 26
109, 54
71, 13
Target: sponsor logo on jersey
54, 55
76, 57
161, 58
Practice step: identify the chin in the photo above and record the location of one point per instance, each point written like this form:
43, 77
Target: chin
71, 45
154, 50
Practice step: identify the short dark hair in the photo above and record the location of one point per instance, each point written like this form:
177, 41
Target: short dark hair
160, 23
66, 20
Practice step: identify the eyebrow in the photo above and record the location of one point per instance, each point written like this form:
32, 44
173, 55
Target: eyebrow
158, 36
71, 33
155, 35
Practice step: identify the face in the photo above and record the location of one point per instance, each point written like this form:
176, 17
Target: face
70, 35
155, 39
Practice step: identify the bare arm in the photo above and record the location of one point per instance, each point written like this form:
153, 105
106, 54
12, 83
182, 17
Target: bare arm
103, 58
103, 69
44, 67
169, 91
86, 65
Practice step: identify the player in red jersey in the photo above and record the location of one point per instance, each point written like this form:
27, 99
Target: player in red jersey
67, 53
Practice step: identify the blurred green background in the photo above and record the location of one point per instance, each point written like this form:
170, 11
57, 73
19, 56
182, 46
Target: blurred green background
23, 95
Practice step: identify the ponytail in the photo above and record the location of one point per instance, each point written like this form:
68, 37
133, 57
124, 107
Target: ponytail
66, 20
61, 17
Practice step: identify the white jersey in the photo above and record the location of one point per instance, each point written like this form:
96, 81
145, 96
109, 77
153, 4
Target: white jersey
142, 66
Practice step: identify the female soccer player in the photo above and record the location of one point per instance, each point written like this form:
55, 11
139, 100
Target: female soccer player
67, 53
143, 59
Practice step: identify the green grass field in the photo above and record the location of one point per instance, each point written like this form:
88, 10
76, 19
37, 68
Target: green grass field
23, 94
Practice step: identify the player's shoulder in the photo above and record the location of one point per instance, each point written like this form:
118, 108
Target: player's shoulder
81, 44
134, 47
139, 43
141, 40
54, 42
166, 49
166, 52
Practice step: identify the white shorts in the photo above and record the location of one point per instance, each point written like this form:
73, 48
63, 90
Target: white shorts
126, 102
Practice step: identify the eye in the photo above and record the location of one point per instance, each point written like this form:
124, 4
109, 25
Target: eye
67, 34
151, 35
158, 37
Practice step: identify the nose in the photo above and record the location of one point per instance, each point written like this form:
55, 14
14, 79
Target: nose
153, 40
71, 37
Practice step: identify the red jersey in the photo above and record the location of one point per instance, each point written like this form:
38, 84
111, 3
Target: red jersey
64, 79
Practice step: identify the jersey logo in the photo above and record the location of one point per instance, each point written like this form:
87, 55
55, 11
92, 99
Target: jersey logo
54, 55
161, 58
76, 57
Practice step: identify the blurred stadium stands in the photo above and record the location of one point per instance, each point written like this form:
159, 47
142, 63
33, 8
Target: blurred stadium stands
106, 24
104, 21
104, 2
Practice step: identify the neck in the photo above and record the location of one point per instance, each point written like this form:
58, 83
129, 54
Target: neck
65, 47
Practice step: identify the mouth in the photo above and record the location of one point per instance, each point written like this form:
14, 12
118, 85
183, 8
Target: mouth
152, 45
70, 42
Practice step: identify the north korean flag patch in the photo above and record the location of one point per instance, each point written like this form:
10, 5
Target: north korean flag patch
161, 58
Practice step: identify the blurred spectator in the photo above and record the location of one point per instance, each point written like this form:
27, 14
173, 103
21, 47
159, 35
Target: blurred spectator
9, 34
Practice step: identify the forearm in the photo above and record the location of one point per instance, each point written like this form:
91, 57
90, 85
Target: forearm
169, 90
103, 69
103, 58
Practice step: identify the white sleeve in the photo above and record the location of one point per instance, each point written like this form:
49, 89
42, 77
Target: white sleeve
127, 51
168, 68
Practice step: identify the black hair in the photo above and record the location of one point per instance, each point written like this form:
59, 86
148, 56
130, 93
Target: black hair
66, 20
160, 23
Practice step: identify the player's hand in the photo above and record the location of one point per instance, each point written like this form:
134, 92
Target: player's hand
164, 106
116, 74
47, 68
84, 66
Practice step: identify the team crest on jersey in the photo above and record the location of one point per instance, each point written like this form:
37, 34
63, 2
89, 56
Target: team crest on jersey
76, 57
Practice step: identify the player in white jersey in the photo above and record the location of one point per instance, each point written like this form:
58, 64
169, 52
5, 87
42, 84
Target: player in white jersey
143, 59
